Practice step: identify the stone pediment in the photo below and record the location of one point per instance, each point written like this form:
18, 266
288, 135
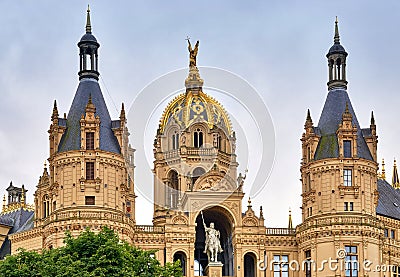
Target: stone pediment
215, 181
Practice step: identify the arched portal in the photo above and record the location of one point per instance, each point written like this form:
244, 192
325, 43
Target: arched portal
180, 256
224, 224
249, 264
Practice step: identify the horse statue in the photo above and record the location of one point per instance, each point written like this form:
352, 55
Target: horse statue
213, 244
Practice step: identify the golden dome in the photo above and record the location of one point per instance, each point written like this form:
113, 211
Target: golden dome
195, 106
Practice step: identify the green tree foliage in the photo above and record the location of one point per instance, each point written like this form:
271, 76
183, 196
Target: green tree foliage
88, 255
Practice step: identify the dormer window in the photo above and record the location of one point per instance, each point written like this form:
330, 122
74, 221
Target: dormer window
89, 141
347, 149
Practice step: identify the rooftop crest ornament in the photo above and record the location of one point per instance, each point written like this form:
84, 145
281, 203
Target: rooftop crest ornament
192, 53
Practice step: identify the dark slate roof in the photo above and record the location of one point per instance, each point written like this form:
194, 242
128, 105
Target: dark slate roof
389, 200
328, 124
337, 48
88, 37
72, 136
20, 220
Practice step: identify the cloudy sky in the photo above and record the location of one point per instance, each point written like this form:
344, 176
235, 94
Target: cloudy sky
278, 47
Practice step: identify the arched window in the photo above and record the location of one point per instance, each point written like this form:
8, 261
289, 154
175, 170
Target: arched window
338, 65
250, 265
180, 256
197, 172
175, 140
198, 138
46, 206
172, 189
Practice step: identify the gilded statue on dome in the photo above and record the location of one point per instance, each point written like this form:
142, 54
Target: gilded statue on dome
192, 53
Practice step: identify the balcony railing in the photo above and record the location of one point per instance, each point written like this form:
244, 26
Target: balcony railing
149, 229
281, 231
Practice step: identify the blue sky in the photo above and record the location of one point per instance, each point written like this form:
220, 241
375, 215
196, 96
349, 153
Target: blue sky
279, 47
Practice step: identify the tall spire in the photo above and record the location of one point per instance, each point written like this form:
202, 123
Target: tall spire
395, 177
336, 39
88, 25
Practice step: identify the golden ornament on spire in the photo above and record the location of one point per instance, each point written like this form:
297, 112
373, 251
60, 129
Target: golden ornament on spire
383, 175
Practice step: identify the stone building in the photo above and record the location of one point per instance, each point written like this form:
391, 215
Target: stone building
349, 211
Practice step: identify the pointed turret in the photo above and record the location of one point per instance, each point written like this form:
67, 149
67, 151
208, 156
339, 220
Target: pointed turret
346, 116
54, 115
339, 113
309, 122
90, 107
122, 115
395, 177
88, 98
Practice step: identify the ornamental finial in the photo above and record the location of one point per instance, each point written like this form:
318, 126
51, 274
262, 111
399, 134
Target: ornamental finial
88, 25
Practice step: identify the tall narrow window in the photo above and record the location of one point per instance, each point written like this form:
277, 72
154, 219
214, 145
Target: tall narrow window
90, 141
90, 171
346, 206
175, 141
392, 234
347, 177
198, 138
347, 149
308, 262
89, 200
46, 206
351, 266
281, 266
386, 233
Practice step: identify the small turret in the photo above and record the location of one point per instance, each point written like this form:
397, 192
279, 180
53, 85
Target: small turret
337, 62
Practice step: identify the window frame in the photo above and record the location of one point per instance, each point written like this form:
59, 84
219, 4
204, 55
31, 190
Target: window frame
347, 177
347, 148
90, 170
90, 200
89, 140
351, 256
281, 265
